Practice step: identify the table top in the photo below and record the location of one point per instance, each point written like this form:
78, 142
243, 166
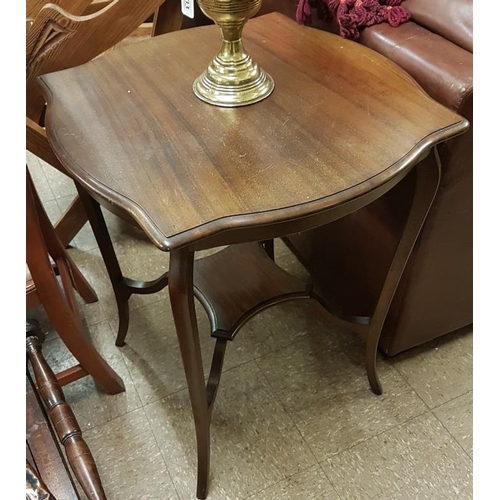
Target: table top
341, 122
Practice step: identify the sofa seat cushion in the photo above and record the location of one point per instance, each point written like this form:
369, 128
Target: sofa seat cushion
441, 67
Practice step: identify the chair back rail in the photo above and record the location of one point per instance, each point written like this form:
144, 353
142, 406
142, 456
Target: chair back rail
76, 7
58, 39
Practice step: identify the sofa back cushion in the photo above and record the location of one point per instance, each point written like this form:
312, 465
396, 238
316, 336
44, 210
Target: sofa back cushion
452, 19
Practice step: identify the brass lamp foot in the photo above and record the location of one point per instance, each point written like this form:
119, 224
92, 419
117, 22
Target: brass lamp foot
233, 81
232, 77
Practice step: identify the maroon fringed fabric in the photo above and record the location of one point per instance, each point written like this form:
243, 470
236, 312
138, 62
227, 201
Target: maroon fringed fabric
354, 15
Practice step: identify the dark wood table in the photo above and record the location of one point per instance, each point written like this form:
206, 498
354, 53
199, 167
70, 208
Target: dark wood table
342, 127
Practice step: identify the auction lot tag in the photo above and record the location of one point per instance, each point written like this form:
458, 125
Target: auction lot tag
187, 7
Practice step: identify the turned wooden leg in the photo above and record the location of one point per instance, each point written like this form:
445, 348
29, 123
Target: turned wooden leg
121, 290
182, 301
64, 421
428, 177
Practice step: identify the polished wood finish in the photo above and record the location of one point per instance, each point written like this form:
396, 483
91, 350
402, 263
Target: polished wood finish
74, 216
123, 287
42, 448
64, 421
238, 282
59, 301
58, 38
320, 132
427, 185
342, 127
74, 7
182, 302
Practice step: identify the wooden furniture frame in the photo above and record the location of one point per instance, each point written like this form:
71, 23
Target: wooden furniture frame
62, 417
43, 453
196, 177
57, 39
59, 301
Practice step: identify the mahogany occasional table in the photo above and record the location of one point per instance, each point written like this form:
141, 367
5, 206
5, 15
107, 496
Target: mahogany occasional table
342, 127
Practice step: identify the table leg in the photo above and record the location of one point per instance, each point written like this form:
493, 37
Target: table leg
121, 290
123, 287
427, 183
269, 248
183, 309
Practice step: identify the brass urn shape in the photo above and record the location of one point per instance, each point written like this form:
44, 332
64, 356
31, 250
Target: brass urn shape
232, 78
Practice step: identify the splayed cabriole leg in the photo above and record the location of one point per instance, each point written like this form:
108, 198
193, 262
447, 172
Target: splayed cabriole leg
183, 309
215, 373
96, 218
428, 178
123, 287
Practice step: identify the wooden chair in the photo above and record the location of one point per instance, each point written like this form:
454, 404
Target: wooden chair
58, 300
63, 422
57, 39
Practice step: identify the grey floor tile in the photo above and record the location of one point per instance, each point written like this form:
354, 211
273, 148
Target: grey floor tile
93, 407
286, 260
92, 267
312, 484
323, 385
40, 181
254, 442
416, 461
307, 390
441, 370
129, 461
38, 313
61, 184
456, 416
118, 229
152, 351
52, 210
280, 326
139, 260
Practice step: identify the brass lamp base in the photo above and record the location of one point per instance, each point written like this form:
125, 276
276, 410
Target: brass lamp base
231, 82
232, 77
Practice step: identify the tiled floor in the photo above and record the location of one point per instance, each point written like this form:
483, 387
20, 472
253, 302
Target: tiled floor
294, 419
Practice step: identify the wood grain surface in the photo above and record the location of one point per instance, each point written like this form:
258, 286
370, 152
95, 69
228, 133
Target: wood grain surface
342, 122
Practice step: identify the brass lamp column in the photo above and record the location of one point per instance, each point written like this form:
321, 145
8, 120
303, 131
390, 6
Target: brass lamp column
232, 78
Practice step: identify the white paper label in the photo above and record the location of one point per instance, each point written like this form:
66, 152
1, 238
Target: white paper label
187, 7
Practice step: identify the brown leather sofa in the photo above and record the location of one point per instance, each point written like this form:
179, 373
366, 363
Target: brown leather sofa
349, 258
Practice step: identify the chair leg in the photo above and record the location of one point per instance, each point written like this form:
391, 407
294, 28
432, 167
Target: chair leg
81, 285
65, 323
428, 178
121, 290
71, 221
183, 309
64, 319
57, 250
